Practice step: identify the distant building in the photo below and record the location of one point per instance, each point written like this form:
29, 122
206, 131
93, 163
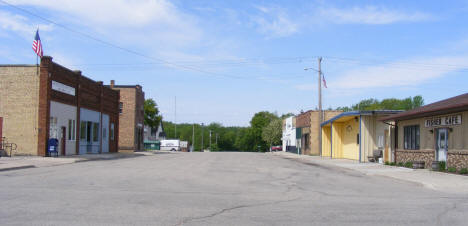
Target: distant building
155, 134
53, 102
289, 134
153, 137
434, 132
131, 110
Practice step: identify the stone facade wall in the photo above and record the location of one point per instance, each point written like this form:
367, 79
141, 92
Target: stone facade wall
457, 159
19, 100
415, 155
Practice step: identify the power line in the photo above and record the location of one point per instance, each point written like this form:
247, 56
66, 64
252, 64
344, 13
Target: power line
116, 46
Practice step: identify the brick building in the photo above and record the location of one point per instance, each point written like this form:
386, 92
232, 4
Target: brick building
51, 101
131, 131
307, 131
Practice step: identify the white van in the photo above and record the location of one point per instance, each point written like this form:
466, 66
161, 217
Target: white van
170, 145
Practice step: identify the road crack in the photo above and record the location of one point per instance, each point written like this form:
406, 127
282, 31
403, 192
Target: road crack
188, 220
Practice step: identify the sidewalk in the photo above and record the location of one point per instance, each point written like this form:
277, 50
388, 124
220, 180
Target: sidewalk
23, 162
445, 182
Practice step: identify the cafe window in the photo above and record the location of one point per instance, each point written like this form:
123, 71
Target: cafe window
411, 137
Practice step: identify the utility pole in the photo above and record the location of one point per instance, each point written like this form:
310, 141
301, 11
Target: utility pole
320, 103
210, 139
202, 137
175, 117
216, 139
193, 137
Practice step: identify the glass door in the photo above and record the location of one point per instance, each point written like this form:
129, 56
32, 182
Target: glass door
442, 146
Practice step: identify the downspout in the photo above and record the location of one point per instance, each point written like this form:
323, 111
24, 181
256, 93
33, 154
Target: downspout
396, 142
331, 140
360, 135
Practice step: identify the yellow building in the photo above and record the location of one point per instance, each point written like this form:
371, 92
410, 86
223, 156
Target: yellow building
358, 135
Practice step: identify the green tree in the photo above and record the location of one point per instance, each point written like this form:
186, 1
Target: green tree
272, 133
259, 121
152, 117
386, 104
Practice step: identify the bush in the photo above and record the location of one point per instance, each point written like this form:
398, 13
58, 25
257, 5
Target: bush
409, 165
393, 163
442, 166
387, 163
452, 170
401, 164
464, 171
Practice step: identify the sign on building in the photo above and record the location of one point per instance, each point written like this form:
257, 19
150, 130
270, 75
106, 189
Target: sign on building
444, 121
57, 86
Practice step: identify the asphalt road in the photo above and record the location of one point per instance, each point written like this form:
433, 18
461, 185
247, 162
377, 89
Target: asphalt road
217, 189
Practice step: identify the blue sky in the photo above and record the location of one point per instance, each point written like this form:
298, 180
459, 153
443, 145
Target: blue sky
226, 60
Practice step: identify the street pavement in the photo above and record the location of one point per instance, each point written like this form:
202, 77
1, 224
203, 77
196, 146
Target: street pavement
218, 189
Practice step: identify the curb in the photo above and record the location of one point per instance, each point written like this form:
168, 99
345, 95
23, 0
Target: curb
17, 168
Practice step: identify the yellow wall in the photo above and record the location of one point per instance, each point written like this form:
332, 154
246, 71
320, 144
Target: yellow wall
326, 141
337, 147
19, 104
350, 145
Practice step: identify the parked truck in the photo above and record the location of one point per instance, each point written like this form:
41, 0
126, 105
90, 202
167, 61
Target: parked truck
170, 145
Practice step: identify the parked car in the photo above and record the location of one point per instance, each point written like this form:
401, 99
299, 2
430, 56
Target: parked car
276, 148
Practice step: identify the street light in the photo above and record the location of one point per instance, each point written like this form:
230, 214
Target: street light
319, 71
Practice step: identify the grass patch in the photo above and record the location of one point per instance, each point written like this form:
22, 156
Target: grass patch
409, 164
452, 170
442, 165
464, 171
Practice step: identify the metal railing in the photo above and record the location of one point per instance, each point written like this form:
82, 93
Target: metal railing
6, 147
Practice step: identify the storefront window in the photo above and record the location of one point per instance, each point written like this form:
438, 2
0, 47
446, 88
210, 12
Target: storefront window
53, 130
83, 130
71, 129
95, 132
411, 137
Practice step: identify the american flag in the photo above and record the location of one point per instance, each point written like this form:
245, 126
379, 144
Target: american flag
37, 45
324, 82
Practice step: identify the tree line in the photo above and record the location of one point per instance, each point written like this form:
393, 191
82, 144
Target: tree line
265, 129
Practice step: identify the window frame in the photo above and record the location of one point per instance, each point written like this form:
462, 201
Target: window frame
411, 137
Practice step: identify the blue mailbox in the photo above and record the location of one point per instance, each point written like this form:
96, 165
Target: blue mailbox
52, 147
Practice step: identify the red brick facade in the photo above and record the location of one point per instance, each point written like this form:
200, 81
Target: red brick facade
89, 94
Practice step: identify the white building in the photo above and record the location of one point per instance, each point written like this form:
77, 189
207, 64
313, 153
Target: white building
289, 134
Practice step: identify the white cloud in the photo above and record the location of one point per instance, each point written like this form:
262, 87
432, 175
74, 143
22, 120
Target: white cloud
370, 15
144, 21
274, 22
400, 73
20, 24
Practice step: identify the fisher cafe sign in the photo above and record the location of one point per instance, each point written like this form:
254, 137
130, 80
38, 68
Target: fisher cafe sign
449, 120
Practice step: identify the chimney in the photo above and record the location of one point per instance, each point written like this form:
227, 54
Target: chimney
112, 84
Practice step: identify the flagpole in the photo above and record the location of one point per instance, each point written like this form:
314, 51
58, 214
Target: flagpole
37, 57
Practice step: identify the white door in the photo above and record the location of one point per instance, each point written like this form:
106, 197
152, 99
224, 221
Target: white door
442, 138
